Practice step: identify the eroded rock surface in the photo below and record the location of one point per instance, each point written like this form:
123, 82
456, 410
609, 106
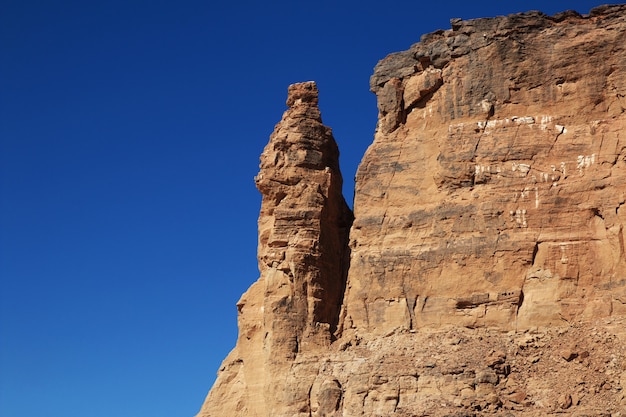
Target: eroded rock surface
487, 273
303, 258
492, 194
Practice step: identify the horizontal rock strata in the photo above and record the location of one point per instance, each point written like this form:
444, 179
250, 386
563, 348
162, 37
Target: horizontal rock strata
484, 272
303, 258
492, 194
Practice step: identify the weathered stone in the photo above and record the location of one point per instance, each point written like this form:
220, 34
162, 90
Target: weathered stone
565, 401
326, 398
303, 259
569, 353
517, 397
486, 377
487, 248
495, 359
504, 177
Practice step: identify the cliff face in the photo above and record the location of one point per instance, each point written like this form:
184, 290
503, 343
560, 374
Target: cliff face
485, 269
492, 192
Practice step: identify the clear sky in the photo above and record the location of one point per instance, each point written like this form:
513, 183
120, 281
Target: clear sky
130, 133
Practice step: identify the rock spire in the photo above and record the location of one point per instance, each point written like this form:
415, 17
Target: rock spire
303, 260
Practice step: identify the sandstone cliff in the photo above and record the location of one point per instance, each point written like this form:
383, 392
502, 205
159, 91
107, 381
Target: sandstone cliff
484, 272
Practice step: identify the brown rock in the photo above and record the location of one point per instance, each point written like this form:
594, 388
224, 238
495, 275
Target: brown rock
327, 398
490, 204
569, 354
565, 401
497, 361
303, 258
496, 358
486, 377
517, 397
492, 201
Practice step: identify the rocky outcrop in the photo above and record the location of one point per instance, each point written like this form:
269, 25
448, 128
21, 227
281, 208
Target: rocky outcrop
303, 259
487, 272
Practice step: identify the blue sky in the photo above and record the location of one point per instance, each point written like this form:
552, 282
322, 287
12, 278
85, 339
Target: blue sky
130, 133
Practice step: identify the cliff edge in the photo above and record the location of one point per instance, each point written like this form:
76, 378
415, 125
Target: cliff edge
483, 270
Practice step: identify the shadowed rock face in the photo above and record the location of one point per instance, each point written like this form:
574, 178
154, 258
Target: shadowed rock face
486, 257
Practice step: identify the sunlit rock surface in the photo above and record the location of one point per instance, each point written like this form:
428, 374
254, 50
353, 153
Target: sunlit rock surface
484, 272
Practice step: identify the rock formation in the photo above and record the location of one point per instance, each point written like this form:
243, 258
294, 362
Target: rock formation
303, 259
492, 192
484, 272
